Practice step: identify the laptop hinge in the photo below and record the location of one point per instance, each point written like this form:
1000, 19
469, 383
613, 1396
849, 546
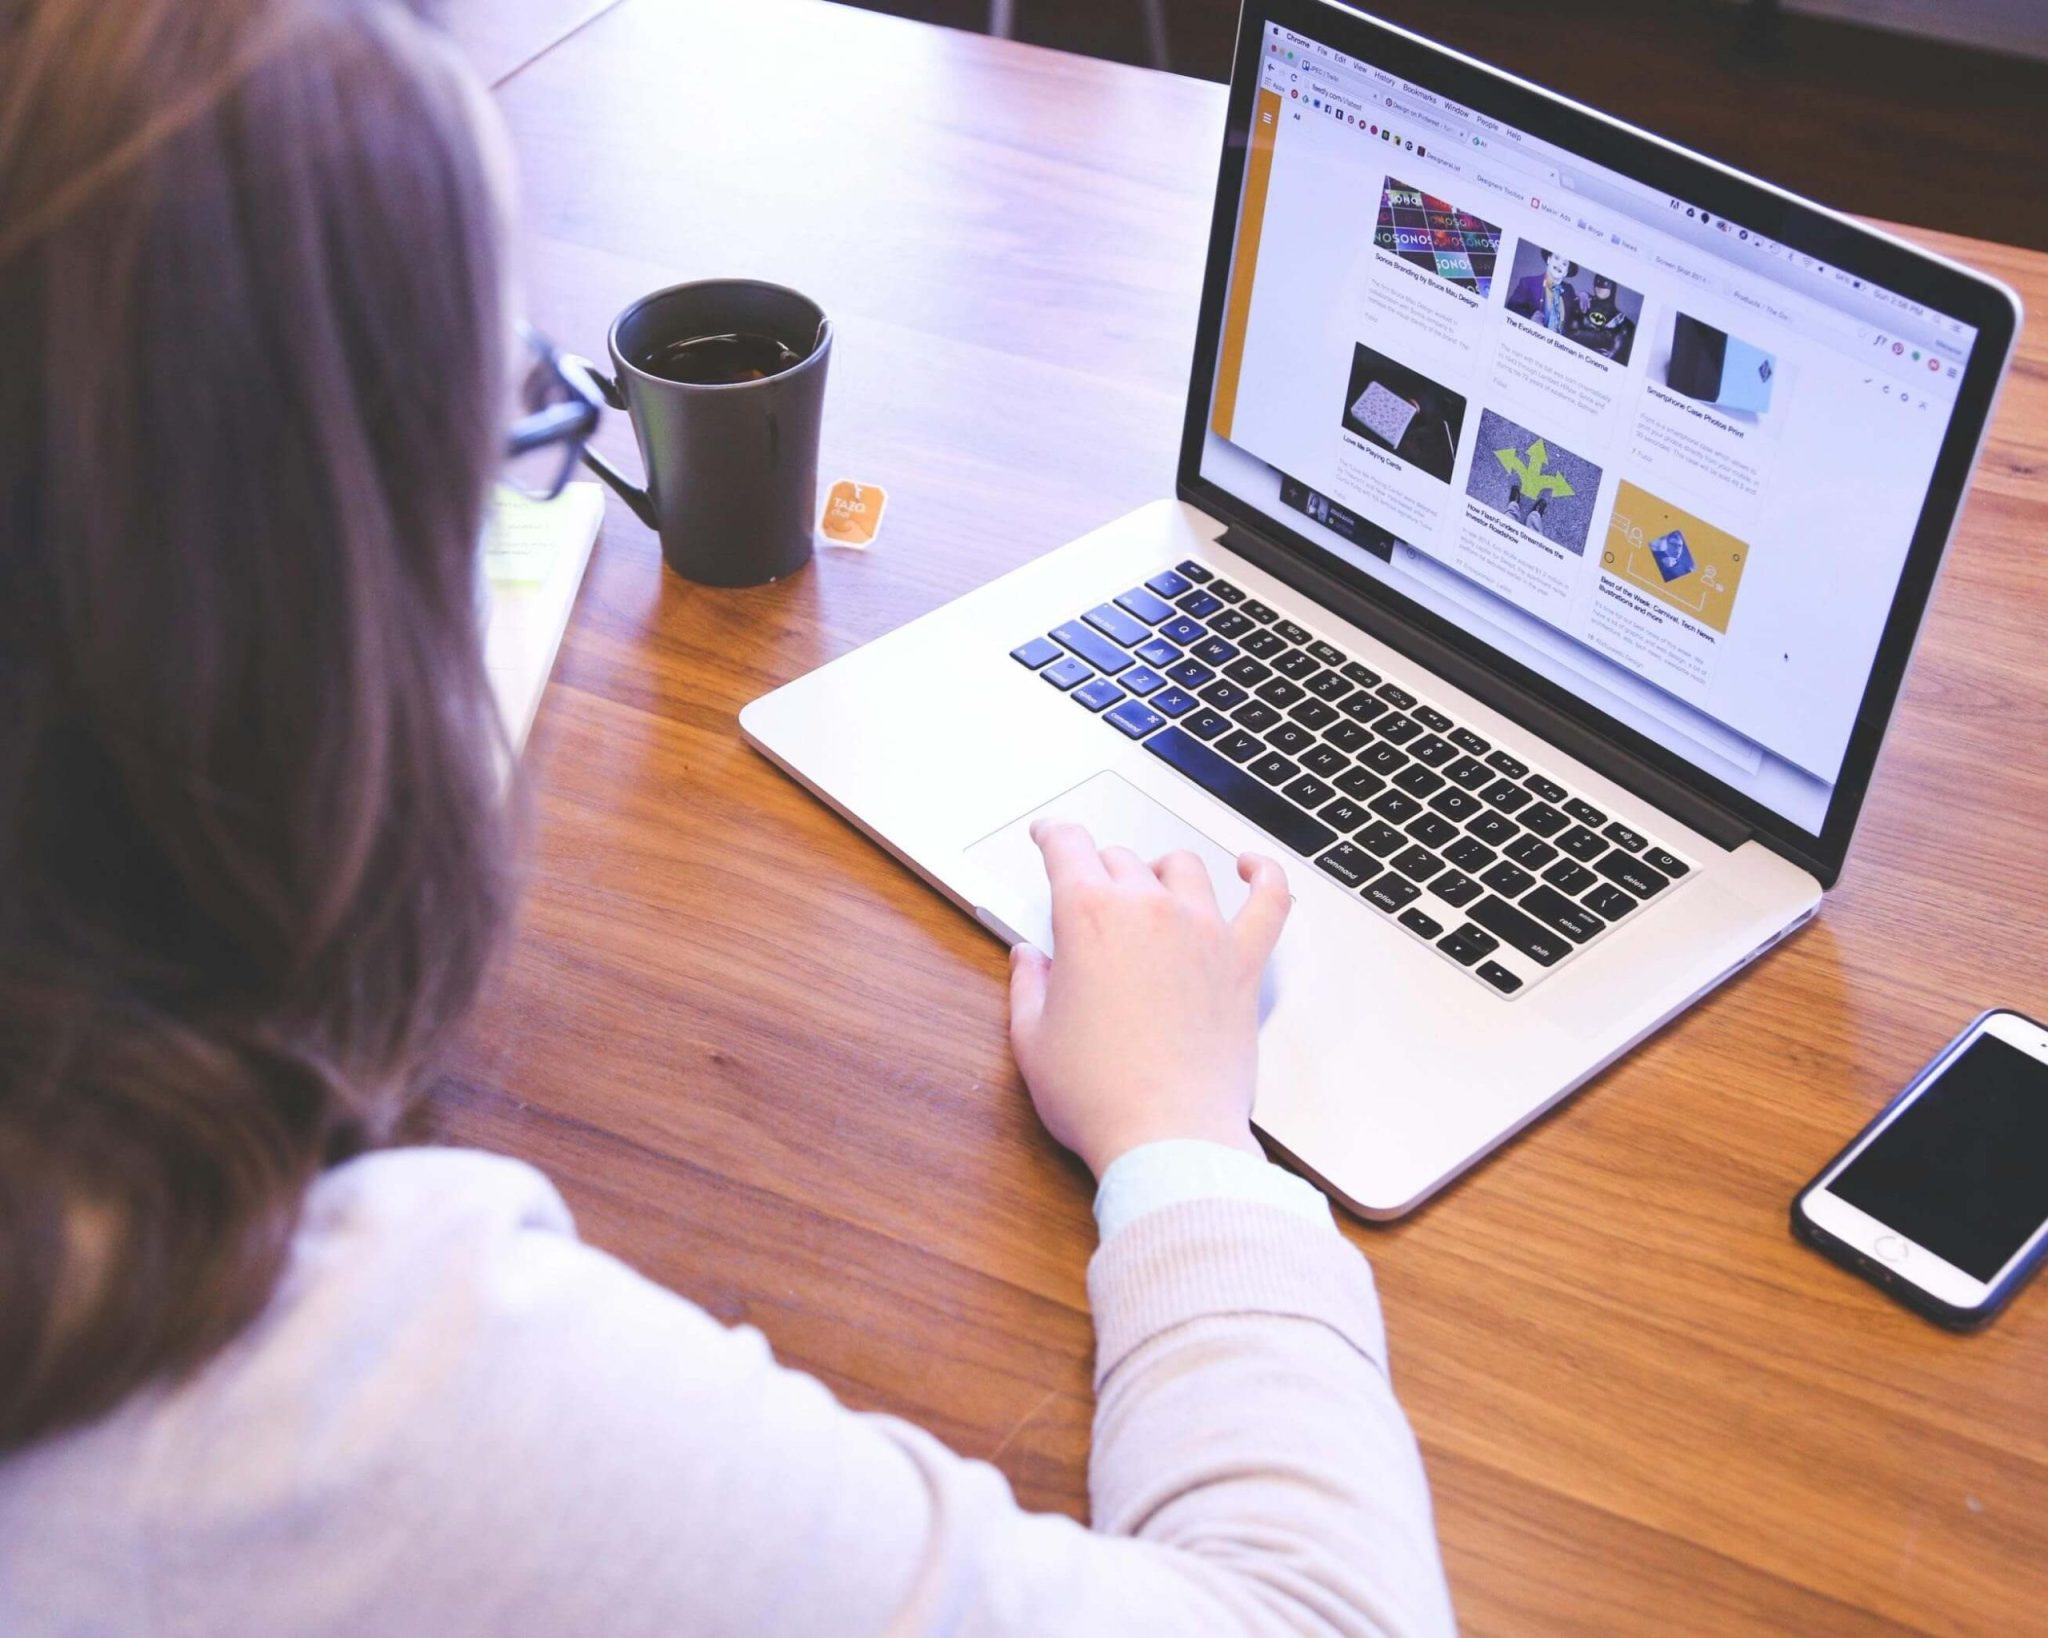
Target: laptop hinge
1716, 823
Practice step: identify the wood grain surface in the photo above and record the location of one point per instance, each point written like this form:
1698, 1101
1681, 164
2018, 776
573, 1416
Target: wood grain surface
768, 1067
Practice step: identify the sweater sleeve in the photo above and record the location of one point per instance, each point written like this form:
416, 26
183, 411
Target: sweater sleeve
507, 1432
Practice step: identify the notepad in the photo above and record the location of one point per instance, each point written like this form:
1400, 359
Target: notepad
534, 554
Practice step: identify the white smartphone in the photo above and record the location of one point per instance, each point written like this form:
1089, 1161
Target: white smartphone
1942, 1200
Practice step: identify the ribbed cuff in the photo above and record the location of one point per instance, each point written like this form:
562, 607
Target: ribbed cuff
1204, 1257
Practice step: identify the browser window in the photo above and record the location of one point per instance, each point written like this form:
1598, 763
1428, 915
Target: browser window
1663, 461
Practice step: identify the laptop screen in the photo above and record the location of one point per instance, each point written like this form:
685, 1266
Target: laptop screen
1669, 464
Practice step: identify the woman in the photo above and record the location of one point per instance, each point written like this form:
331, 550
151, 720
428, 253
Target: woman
262, 1371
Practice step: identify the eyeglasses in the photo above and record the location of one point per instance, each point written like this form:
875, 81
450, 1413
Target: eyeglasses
560, 406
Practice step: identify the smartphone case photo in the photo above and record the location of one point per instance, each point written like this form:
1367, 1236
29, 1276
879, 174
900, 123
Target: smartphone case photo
1883, 1275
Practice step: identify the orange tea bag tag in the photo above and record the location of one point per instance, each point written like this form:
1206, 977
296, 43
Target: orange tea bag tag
853, 514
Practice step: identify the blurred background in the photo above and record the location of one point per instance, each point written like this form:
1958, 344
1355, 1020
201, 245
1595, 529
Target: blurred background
1932, 112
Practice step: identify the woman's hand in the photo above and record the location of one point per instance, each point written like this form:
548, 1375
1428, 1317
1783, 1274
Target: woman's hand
1145, 1025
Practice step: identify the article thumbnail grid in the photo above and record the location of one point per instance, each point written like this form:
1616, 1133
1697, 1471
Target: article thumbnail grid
1434, 235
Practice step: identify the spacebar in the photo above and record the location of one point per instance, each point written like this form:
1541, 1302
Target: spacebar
1230, 784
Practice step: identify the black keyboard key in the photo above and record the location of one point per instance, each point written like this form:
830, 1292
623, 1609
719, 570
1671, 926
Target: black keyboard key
1470, 742
1380, 839
1398, 728
1494, 830
1382, 758
1213, 651
1039, 651
1418, 864
1141, 680
1158, 653
1225, 590
1432, 719
1168, 583
1240, 746
1519, 932
1544, 820
1264, 644
1433, 750
1509, 881
1259, 612
1392, 893
1309, 791
1469, 853
1292, 632
1418, 922
1198, 604
1325, 761
1229, 784
1139, 601
1468, 773
1347, 736
1417, 780
1581, 843
1224, 695
1507, 798
1632, 874
1552, 908
1190, 673
1343, 814
1097, 694
1455, 888
1135, 718
1328, 653
1455, 804
1352, 866
1621, 836
1548, 790
1328, 685
1257, 716
1247, 672
1173, 702
1658, 859
1363, 707
1183, 631
1395, 695
1433, 830
1092, 646
1499, 977
1359, 782
1230, 624
1398, 806
1468, 944
1279, 691
1569, 877
1290, 737
1585, 813
1274, 768
1313, 714
1194, 571
1501, 762
1530, 852
1205, 723
1066, 671
1295, 664
1610, 902
1363, 675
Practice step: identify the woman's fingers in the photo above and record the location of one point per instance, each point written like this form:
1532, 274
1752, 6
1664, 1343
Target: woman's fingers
1186, 877
1257, 925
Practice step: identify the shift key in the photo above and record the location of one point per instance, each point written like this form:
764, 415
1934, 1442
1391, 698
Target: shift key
1531, 937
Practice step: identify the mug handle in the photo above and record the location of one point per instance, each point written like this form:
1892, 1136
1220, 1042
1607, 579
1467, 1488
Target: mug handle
634, 496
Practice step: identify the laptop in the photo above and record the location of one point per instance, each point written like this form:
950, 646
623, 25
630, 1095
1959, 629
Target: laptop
1549, 642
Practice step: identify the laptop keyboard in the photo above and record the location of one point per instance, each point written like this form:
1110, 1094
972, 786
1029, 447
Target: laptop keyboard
1503, 870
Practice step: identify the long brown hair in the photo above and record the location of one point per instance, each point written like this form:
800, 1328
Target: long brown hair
252, 852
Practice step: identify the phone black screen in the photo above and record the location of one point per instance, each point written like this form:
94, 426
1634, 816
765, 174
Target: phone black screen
1964, 1170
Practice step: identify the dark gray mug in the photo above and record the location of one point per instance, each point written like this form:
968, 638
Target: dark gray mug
732, 468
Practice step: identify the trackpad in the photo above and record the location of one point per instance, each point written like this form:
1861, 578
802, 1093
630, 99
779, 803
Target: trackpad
1117, 814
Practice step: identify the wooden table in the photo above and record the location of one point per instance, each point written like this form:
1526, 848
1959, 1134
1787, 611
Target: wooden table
769, 1068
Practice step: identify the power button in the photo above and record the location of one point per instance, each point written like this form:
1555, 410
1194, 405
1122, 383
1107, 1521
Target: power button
1891, 1248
